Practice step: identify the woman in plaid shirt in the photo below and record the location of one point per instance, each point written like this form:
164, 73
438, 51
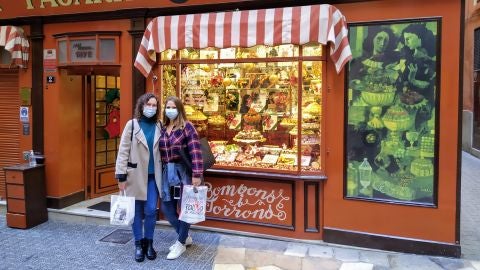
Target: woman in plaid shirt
176, 134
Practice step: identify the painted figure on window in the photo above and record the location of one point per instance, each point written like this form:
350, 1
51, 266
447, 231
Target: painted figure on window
420, 72
380, 62
112, 98
374, 83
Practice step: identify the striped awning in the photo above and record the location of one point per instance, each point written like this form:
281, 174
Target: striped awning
13, 40
291, 25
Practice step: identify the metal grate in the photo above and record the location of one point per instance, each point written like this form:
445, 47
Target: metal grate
119, 236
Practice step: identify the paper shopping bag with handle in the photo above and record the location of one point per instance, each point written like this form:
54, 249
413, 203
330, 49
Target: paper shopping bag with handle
194, 204
122, 210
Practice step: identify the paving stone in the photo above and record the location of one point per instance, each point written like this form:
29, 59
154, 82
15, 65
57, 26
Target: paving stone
379, 267
320, 251
230, 255
310, 263
257, 243
409, 262
268, 267
346, 255
449, 263
356, 266
297, 250
288, 262
256, 258
231, 241
276, 245
65, 245
475, 264
375, 258
228, 267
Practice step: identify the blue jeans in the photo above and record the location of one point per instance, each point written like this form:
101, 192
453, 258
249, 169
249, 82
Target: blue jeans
169, 209
146, 210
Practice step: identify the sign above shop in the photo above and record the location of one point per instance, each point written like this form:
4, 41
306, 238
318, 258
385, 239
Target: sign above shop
83, 50
12, 9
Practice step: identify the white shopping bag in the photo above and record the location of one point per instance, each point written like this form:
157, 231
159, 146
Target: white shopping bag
194, 204
122, 210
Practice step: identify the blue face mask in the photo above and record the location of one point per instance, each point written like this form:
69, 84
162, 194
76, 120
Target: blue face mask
149, 111
171, 113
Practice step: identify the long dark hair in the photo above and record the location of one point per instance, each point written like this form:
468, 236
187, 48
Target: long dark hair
182, 115
372, 32
141, 101
427, 37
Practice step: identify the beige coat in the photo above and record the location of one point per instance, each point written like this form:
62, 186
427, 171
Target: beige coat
139, 154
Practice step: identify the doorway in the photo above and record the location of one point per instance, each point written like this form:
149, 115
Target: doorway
102, 125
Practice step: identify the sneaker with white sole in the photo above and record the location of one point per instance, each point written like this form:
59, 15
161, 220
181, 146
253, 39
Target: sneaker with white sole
188, 242
177, 250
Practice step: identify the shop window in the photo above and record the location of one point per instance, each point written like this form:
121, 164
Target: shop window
88, 48
107, 129
62, 52
391, 150
259, 107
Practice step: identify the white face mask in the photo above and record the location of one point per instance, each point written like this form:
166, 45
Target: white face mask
171, 113
149, 111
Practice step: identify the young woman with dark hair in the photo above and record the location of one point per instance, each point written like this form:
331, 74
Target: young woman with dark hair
138, 171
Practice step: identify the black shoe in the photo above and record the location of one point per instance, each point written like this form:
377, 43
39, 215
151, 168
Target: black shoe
151, 253
139, 254
144, 245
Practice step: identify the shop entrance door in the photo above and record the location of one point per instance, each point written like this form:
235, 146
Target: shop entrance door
102, 115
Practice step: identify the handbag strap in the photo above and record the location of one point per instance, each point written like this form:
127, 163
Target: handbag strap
131, 142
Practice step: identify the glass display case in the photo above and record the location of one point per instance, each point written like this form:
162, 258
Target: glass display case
259, 107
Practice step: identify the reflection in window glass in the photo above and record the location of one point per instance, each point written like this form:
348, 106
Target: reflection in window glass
100, 107
100, 159
62, 51
107, 50
111, 157
100, 94
100, 146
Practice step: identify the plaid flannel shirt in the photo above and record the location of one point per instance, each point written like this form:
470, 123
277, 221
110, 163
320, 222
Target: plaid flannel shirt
170, 147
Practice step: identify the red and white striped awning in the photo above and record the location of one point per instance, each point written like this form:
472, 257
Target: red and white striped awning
291, 25
13, 40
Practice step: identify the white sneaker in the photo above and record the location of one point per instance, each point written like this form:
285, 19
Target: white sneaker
188, 242
177, 250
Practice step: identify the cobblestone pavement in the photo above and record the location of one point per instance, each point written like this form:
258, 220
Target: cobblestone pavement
470, 215
64, 245
70, 245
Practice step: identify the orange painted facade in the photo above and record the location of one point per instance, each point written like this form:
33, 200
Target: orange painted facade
64, 133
